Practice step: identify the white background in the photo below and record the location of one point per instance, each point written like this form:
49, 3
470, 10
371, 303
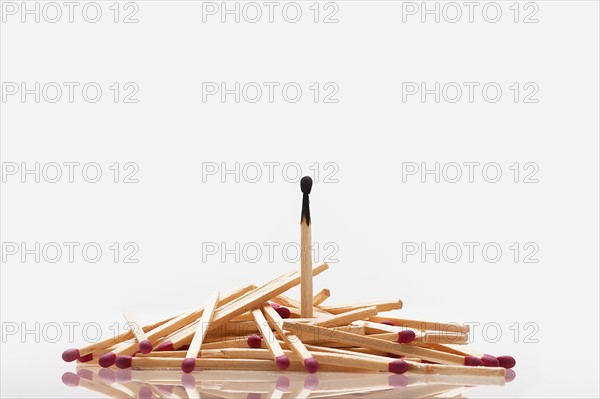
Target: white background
365, 139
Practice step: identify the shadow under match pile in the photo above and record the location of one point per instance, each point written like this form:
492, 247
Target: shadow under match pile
260, 328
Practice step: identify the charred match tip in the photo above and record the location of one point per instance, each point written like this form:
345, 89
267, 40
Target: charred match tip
107, 375
123, 361
398, 367
165, 346
311, 365
188, 381
70, 379
146, 346
387, 323
107, 360
188, 365
145, 393
254, 341
508, 362
282, 362
70, 355
282, 383
306, 184
473, 361
490, 361
406, 336
283, 312
87, 358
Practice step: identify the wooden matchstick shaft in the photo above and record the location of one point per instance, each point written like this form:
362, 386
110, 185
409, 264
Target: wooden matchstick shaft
292, 303
99, 347
306, 287
382, 306
307, 330
321, 296
423, 325
456, 370
203, 325
276, 322
346, 318
138, 332
268, 336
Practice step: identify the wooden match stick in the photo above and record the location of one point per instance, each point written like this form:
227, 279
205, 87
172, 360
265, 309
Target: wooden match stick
346, 318
73, 354
321, 296
189, 363
281, 359
292, 303
382, 306
109, 358
423, 325
306, 287
276, 322
145, 345
307, 330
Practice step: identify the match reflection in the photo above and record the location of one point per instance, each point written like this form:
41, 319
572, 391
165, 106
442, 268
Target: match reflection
131, 383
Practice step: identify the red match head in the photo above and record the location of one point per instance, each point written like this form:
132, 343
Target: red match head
490, 361
146, 346
165, 346
274, 305
283, 312
254, 341
123, 361
282, 362
406, 336
87, 358
311, 365
70, 355
107, 360
510, 375
188, 365
473, 361
398, 367
387, 323
508, 362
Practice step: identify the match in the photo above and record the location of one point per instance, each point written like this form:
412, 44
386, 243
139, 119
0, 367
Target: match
264, 328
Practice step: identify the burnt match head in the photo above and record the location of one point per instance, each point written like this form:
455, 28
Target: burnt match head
306, 186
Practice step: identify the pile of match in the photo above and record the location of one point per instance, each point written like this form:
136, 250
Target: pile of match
260, 328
